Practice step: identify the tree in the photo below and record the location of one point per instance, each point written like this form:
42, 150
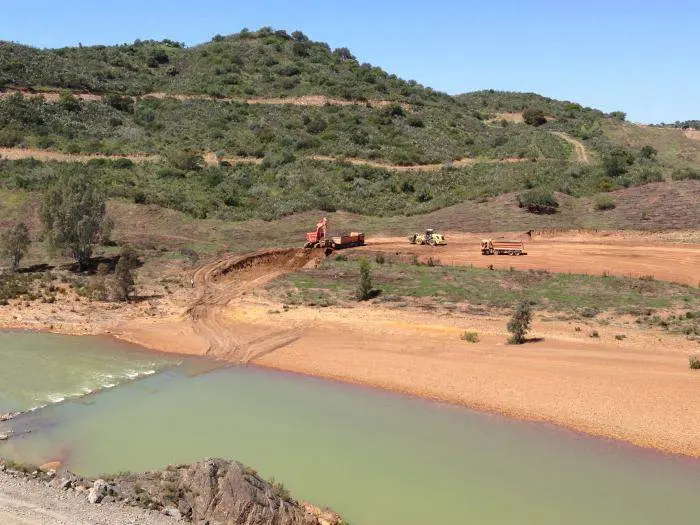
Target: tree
519, 324
14, 244
73, 212
124, 283
534, 117
364, 287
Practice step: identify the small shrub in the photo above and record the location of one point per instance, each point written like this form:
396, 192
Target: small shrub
433, 262
470, 336
694, 362
534, 117
519, 324
14, 244
364, 287
379, 258
594, 333
538, 200
341, 257
604, 202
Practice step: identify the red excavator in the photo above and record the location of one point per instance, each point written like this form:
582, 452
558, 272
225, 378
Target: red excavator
321, 239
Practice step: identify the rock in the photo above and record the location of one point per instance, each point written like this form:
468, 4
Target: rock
65, 484
99, 490
215, 491
172, 512
51, 465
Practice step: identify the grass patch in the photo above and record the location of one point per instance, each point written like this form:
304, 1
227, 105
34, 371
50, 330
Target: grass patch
470, 336
581, 294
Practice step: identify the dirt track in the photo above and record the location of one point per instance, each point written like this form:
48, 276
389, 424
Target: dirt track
307, 100
595, 254
579, 149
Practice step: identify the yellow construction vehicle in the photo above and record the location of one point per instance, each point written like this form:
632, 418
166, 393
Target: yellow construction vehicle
430, 237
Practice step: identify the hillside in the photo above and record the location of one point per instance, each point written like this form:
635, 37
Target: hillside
266, 124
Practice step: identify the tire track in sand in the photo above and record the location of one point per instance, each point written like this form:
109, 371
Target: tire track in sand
220, 282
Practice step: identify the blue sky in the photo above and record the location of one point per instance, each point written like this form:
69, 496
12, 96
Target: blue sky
641, 57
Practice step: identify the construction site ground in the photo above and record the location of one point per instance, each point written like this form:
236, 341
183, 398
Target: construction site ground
638, 388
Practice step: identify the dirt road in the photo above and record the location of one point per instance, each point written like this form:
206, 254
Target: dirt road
579, 149
26, 502
595, 254
306, 100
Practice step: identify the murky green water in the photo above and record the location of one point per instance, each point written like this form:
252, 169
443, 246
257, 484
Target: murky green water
37, 369
376, 457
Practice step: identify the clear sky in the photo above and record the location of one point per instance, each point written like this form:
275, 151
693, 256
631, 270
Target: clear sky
641, 57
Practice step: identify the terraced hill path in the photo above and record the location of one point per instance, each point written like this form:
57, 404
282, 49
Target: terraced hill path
211, 159
306, 100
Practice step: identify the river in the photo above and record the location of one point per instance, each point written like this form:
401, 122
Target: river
378, 458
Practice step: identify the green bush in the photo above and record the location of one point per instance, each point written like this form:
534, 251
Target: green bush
538, 200
470, 336
364, 287
694, 362
519, 324
534, 117
683, 174
604, 202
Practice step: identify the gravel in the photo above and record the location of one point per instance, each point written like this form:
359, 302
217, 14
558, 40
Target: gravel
32, 502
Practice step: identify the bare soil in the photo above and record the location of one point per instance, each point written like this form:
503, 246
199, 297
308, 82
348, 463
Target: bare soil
626, 255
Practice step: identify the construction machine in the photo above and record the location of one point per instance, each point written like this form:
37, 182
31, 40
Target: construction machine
502, 247
321, 239
430, 237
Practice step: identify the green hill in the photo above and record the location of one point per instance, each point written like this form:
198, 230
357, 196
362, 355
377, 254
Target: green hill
244, 103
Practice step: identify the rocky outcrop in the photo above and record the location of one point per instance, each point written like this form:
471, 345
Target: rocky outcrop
217, 491
214, 491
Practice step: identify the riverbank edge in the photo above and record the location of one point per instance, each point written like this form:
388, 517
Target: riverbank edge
589, 430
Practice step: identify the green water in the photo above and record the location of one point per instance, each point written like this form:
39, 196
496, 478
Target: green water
378, 458
38, 369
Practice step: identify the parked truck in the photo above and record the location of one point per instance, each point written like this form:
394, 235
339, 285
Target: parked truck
502, 247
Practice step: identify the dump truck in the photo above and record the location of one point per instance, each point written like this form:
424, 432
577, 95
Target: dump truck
502, 247
430, 237
321, 239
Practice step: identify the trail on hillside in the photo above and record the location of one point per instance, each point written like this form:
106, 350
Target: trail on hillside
211, 159
306, 100
220, 282
579, 148
57, 156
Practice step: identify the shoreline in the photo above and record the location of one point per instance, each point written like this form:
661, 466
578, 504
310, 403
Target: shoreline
305, 367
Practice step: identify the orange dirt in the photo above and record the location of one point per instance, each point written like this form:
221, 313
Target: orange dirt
593, 254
